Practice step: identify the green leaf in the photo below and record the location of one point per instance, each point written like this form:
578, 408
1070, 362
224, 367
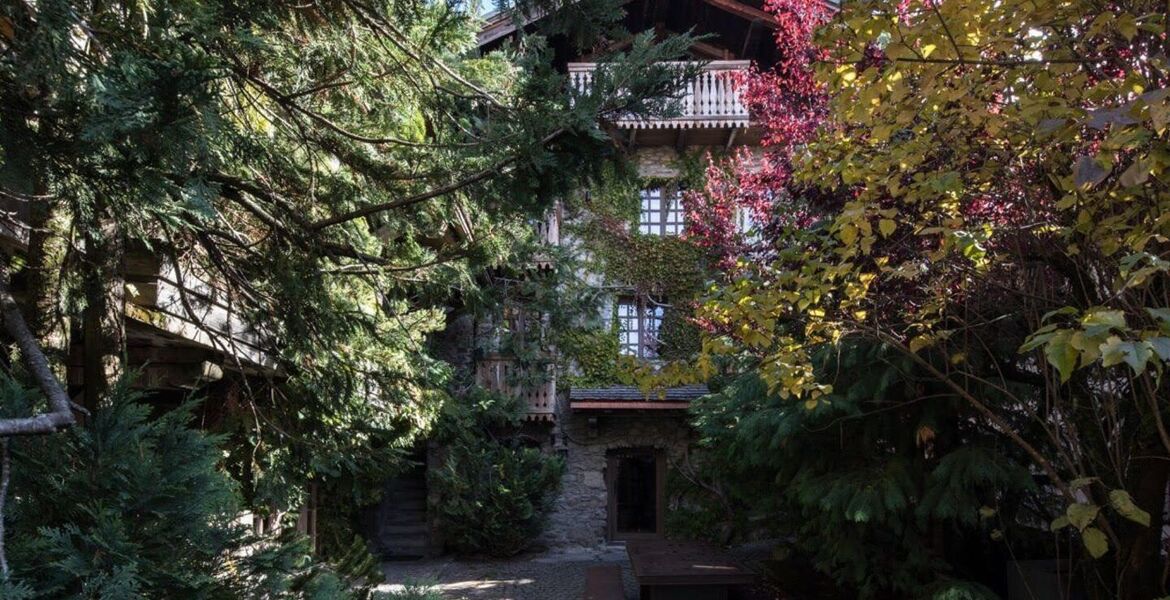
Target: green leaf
1123, 503
1162, 314
1037, 339
1061, 354
1095, 542
1135, 354
1160, 346
1088, 172
1059, 523
1112, 352
1081, 514
1136, 174
1066, 310
887, 227
1099, 321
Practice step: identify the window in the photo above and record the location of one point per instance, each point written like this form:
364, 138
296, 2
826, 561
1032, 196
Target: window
639, 320
662, 212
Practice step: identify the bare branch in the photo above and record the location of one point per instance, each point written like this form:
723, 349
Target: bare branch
60, 415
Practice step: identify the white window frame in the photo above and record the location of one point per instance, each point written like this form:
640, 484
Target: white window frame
661, 212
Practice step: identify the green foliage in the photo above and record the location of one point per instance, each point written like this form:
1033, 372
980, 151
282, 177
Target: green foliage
270, 151
493, 498
133, 505
123, 506
666, 266
594, 354
883, 492
679, 338
702, 506
493, 490
415, 591
1011, 243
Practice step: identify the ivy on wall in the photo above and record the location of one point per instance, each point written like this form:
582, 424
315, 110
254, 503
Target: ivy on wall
663, 267
594, 352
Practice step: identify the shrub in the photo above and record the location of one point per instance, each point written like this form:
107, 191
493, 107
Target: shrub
493, 492
494, 497
415, 591
134, 505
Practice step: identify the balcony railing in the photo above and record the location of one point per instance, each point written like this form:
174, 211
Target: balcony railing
710, 100
504, 376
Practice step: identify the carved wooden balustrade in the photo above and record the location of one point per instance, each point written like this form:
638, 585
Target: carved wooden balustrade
711, 100
503, 375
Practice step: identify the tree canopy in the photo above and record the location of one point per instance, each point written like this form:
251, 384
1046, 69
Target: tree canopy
978, 190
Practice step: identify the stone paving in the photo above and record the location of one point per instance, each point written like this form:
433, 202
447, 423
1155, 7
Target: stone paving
551, 576
548, 576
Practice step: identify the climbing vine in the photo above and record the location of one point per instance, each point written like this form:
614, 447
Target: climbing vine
670, 269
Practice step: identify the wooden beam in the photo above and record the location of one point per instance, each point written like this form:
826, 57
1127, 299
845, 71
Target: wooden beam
745, 11
731, 138
712, 50
681, 141
612, 46
748, 45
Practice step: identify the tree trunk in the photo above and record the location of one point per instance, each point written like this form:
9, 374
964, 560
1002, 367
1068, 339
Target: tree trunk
42, 278
1142, 575
104, 332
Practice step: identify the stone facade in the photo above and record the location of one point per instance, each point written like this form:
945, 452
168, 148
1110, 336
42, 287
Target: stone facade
657, 162
579, 514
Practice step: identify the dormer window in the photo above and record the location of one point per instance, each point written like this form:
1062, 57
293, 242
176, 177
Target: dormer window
639, 320
662, 212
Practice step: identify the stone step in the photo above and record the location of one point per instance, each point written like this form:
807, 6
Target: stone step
401, 496
407, 519
403, 530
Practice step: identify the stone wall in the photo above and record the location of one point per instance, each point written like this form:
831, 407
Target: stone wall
579, 514
657, 162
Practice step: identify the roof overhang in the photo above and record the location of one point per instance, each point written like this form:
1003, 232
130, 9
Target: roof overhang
626, 398
628, 405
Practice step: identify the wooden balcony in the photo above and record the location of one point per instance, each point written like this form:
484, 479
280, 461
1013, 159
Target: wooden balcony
502, 375
184, 306
712, 111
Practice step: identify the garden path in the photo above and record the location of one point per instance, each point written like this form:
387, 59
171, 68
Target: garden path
546, 576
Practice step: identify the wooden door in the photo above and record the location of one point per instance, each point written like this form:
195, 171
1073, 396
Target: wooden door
636, 483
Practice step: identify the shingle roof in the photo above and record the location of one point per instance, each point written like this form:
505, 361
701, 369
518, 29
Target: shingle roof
630, 393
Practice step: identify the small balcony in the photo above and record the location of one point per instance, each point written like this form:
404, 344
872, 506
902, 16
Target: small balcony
501, 374
712, 112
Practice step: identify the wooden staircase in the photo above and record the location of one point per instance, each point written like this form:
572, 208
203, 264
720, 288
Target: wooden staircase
400, 520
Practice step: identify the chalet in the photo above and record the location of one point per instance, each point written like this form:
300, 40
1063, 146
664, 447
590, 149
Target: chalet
617, 442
